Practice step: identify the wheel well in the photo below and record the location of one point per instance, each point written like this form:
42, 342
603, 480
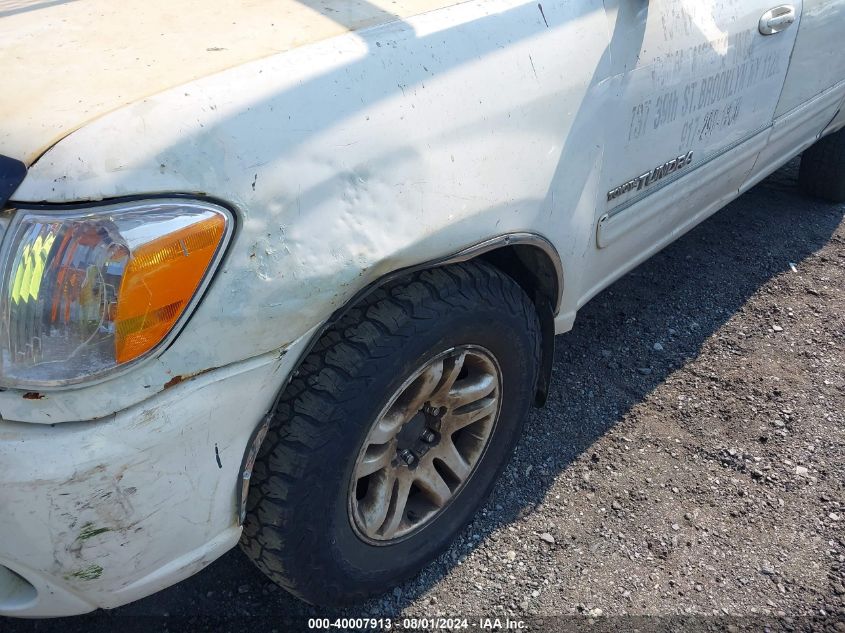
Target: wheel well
541, 279
532, 268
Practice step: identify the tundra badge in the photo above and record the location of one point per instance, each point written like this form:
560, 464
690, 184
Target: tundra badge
651, 177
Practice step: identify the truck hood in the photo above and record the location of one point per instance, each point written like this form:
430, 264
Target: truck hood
67, 62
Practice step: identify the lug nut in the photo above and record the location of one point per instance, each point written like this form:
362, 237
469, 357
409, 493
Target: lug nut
437, 412
429, 436
408, 457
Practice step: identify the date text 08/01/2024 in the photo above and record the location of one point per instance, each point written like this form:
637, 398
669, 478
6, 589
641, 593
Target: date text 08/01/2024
417, 624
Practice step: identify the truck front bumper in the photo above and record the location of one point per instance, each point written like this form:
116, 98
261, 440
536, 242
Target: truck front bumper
101, 513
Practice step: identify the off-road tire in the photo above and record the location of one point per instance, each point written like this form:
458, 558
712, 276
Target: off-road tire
822, 173
298, 530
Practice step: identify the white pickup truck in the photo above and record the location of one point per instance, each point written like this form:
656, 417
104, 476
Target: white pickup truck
288, 272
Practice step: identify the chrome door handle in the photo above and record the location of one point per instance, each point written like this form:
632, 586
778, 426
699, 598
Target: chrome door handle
777, 20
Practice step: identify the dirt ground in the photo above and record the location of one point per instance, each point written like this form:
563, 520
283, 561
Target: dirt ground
688, 464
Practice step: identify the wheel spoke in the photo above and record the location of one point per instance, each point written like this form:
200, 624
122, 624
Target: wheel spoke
448, 453
398, 501
432, 485
472, 389
375, 458
407, 404
460, 418
419, 392
452, 367
374, 507
387, 428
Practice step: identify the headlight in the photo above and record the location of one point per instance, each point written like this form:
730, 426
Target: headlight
86, 292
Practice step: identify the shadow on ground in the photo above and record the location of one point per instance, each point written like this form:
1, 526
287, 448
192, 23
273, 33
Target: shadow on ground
685, 293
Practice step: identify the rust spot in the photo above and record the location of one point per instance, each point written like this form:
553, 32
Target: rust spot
173, 382
177, 379
33, 395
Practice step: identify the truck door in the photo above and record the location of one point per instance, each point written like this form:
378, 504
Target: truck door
818, 63
694, 85
814, 86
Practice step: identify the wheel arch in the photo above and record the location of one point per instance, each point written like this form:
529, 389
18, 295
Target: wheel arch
538, 270
528, 258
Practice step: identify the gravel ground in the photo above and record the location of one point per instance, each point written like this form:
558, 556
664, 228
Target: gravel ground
689, 462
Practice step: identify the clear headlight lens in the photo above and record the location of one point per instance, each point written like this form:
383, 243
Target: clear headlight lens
88, 291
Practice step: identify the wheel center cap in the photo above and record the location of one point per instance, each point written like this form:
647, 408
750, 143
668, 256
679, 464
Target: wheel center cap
418, 436
412, 431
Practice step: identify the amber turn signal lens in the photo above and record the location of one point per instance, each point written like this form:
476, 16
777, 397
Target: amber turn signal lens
160, 279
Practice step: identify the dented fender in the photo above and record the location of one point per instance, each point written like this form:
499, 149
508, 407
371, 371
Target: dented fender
326, 202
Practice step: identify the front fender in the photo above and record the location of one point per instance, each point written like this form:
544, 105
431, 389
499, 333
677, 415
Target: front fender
350, 158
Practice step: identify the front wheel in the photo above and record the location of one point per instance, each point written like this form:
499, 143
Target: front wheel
393, 433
